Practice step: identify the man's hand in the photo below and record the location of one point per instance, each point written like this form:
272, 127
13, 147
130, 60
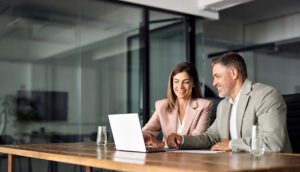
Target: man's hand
152, 141
174, 140
221, 146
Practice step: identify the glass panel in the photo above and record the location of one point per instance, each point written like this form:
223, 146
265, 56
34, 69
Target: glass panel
40, 97
167, 48
105, 63
202, 63
133, 74
64, 67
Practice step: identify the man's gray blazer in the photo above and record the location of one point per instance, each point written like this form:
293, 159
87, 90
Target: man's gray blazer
258, 103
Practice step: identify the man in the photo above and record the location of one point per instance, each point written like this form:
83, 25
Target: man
244, 104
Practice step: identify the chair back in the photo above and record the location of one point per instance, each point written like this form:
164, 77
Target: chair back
293, 119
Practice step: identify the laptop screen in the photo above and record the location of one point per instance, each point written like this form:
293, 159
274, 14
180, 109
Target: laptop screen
127, 133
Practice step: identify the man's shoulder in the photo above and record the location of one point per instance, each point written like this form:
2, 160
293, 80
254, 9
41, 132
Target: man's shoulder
262, 86
224, 101
262, 89
265, 93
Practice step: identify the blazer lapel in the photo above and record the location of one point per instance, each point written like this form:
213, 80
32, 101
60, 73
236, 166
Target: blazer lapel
242, 105
173, 119
190, 113
225, 112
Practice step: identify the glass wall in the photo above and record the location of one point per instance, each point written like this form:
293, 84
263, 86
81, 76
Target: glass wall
64, 66
167, 48
201, 61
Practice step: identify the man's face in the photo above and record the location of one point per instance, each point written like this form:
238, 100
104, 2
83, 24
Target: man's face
223, 80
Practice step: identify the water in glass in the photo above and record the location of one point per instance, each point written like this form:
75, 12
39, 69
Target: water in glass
101, 136
257, 141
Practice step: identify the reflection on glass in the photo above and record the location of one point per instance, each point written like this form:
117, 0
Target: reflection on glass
167, 48
66, 66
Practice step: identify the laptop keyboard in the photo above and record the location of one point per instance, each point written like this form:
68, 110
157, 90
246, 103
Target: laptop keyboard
155, 149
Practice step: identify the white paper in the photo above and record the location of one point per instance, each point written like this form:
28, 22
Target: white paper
197, 151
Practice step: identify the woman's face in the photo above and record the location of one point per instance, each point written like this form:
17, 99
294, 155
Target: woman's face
182, 85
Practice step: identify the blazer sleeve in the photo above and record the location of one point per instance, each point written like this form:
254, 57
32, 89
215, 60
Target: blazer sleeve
207, 139
153, 126
203, 141
204, 119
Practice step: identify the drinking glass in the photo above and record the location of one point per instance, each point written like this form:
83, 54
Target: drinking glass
257, 148
101, 136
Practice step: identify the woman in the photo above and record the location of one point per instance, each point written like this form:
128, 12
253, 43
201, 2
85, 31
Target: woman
183, 112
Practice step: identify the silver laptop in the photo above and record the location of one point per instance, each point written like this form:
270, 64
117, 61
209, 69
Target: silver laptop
127, 133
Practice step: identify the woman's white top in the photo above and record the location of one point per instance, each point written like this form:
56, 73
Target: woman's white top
180, 126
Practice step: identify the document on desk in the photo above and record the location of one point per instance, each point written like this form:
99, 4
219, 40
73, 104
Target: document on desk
197, 151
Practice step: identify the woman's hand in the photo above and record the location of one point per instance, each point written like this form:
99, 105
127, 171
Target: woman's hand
152, 141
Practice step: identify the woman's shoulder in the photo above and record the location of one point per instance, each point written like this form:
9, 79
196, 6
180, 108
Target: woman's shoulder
161, 104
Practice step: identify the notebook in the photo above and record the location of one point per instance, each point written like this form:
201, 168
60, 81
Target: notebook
127, 133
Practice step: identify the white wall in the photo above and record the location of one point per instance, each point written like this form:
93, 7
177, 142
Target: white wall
277, 29
221, 31
281, 72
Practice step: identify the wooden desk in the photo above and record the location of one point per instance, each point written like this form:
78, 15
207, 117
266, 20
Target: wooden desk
88, 155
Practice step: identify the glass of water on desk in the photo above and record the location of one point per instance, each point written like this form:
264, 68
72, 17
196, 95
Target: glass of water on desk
101, 136
257, 148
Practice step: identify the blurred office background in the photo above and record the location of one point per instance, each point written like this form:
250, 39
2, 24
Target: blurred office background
65, 65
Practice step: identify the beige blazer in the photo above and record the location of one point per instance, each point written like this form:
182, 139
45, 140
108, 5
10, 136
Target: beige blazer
258, 103
196, 120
